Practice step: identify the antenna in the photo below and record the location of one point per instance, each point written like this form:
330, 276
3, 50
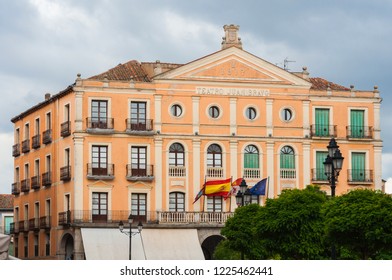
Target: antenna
286, 62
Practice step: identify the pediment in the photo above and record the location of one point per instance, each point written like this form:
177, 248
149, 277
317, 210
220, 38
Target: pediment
100, 184
233, 65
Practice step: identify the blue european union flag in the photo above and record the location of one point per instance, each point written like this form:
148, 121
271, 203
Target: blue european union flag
259, 188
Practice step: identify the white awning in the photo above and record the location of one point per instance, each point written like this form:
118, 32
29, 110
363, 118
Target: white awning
152, 244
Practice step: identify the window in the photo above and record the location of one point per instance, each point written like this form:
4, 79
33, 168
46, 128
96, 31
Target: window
27, 131
251, 113
138, 115
322, 122
8, 220
213, 111
214, 204
48, 121
320, 172
139, 161
139, 207
99, 162
214, 156
176, 201
47, 244
99, 114
176, 110
251, 157
287, 163
176, 155
357, 121
286, 114
100, 206
358, 173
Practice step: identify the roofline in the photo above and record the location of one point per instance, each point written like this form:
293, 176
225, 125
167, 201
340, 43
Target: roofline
44, 103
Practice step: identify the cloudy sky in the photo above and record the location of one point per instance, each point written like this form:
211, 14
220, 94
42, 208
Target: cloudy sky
45, 43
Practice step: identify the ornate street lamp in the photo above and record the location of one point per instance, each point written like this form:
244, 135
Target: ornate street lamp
333, 164
130, 233
243, 196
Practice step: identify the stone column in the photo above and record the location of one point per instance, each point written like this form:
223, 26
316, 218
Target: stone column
158, 174
195, 114
196, 173
270, 169
233, 115
377, 167
269, 118
78, 172
306, 165
305, 115
158, 112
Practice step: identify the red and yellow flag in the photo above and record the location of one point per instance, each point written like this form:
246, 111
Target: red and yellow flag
217, 187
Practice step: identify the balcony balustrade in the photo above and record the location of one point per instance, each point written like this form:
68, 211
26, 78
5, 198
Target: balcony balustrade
44, 222
65, 173
26, 146
36, 141
318, 175
35, 182
288, 173
47, 179
100, 125
140, 174
251, 173
319, 130
47, 136
137, 126
215, 172
177, 171
100, 171
360, 176
25, 185
34, 224
16, 150
359, 132
65, 129
15, 188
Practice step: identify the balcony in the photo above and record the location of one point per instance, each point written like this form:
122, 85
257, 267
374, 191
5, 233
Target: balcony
140, 174
65, 173
177, 171
215, 172
139, 127
23, 226
13, 229
65, 129
100, 172
47, 136
318, 175
251, 173
25, 185
34, 224
359, 132
68, 218
47, 179
16, 150
44, 222
288, 173
35, 182
15, 188
100, 126
327, 131
26, 146
360, 176
36, 141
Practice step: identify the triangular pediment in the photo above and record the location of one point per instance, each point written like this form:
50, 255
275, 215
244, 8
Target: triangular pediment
233, 65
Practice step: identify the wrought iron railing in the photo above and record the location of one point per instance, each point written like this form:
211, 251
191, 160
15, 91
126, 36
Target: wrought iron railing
65, 129
15, 188
47, 136
100, 170
47, 179
318, 175
26, 146
36, 141
25, 185
360, 176
139, 125
100, 123
360, 132
35, 182
65, 173
16, 150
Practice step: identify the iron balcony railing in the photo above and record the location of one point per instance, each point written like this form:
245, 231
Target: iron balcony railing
15, 188
65, 129
36, 141
16, 150
25, 185
26, 146
35, 182
360, 176
100, 123
44, 222
137, 173
139, 125
68, 218
318, 175
360, 132
65, 173
100, 171
47, 136
47, 179
34, 224
319, 130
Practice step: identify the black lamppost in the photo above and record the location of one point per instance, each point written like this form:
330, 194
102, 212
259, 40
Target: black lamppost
332, 166
130, 233
243, 196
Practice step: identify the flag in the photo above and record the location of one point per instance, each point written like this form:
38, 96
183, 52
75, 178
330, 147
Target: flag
234, 188
217, 187
199, 194
259, 188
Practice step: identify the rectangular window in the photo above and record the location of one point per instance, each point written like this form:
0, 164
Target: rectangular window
27, 131
357, 122
100, 206
139, 161
138, 115
8, 220
251, 160
320, 172
99, 114
358, 167
99, 157
139, 206
48, 121
322, 122
214, 204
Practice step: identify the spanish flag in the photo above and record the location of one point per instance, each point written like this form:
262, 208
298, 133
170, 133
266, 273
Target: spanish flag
217, 187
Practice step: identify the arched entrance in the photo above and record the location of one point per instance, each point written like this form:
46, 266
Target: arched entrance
67, 246
209, 244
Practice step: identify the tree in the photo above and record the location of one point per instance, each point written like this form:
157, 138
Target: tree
359, 224
291, 226
240, 232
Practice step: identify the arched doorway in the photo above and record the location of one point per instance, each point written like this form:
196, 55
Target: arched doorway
209, 244
67, 246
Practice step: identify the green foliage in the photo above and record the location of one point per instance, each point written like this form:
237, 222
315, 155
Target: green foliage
359, 223
224, 252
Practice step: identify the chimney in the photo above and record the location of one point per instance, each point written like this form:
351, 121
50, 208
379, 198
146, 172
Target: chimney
47, 96
231, 38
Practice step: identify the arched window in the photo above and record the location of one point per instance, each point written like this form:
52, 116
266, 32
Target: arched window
176, 155
214, 156
177, 201
287, 158
251, 157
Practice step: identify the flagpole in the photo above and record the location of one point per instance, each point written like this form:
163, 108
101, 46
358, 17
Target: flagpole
267, 189
204, 196
231, 186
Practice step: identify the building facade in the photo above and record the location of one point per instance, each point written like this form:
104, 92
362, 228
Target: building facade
142, 138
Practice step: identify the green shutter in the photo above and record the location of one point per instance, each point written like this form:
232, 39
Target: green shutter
251, 160
320, 173
322, 122
358, 167
357, 123
287, 161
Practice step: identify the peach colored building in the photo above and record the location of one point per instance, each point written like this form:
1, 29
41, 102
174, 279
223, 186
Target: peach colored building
142, 138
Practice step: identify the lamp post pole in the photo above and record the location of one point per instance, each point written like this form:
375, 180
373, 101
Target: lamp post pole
243, 198
332, 166
130, 233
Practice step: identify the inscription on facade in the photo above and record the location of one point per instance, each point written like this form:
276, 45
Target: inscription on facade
232, 91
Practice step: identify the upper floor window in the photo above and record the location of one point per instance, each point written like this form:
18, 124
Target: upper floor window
176, 110
214, 156
251, 113
214, 112
251, 157
286, 114
176, 155
357, 124
176, 201
287, 158
214, 204
99, 113
322, 122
